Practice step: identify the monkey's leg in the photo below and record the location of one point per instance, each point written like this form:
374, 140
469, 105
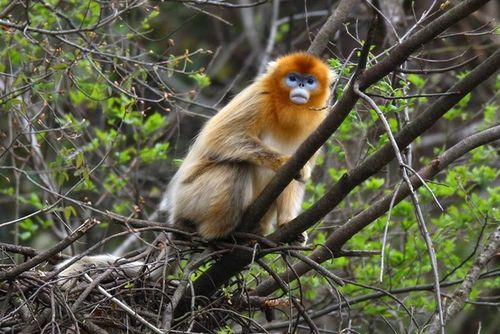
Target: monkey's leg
267, 221
289, 204
215, 200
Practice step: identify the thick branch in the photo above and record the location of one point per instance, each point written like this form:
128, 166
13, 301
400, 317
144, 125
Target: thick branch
340, 236
376, 295
383, 156
331, 26
26, 251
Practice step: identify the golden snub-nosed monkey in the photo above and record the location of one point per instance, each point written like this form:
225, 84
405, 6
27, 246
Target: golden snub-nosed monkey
238, 150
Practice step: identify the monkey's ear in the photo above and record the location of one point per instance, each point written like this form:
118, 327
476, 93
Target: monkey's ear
332, 76
271, 66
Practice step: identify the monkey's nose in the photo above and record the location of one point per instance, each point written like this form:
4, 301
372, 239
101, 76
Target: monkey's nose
299, 96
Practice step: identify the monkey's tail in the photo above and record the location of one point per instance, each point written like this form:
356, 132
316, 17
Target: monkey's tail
71, 268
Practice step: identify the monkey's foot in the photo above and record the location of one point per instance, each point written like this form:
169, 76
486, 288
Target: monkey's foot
305, 174
300, 241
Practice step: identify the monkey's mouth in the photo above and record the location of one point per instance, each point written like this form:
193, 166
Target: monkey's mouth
299, 97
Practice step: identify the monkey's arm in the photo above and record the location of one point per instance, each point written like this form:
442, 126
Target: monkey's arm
239, 146
233, 133
256, 152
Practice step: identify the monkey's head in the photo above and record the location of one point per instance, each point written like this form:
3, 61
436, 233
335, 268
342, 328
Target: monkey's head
300, 79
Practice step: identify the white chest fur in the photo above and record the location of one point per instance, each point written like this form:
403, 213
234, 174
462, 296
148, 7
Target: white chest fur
264, 174
286, 147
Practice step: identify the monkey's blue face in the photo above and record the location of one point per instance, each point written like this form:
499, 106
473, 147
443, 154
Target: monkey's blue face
301, 86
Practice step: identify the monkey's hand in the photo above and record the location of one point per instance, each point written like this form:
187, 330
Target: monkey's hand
304, 174
300, 241
279, 162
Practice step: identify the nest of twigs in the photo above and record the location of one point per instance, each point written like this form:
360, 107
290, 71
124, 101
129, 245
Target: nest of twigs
33, 304
104, 300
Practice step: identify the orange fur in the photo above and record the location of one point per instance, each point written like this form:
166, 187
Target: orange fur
285, 118
239, 149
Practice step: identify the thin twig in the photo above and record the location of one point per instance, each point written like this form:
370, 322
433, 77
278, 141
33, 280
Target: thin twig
456, 302
386, 228
125, 307
415, 200
196, 261
272, 36
78, 233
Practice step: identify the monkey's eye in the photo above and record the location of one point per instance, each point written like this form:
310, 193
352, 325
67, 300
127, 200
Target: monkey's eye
311, 83
291, 80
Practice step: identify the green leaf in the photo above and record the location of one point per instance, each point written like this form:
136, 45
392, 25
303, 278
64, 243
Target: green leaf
25, 235
158, 152
68, 212
491, 113
35, 201
27, 224
154, 122
416, 80
336, 174
79, 160
123, 157
282, 32
374, 183
201, 79
60, 66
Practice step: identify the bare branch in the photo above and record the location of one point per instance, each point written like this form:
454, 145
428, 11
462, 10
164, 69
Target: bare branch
340, 236
415, 200
456, 302
331, 26
78, 233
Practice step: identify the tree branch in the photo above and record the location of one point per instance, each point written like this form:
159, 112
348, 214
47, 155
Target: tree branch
345, 232
383, 156
331, 26
457, 301
82, 230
